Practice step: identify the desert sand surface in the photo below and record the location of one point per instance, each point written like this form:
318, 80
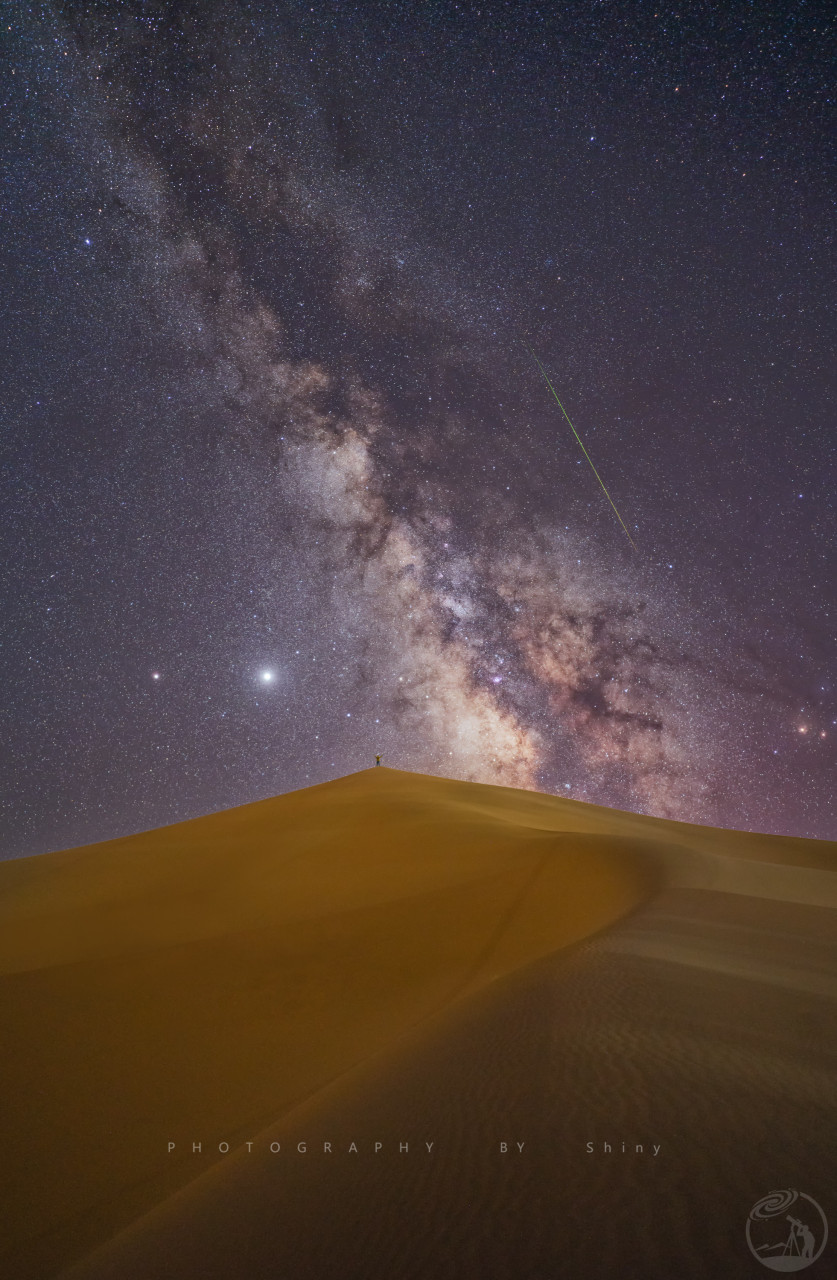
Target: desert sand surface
397, 959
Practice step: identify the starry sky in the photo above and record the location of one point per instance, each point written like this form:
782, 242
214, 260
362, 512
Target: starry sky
283, 486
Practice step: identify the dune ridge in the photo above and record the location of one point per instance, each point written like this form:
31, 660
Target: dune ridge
210, 977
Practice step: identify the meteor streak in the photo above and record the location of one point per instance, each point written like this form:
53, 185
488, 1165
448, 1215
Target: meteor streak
578, 438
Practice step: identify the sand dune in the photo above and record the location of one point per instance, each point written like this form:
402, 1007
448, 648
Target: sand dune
381, 954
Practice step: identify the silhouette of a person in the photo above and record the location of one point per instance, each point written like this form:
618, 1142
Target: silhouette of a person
377, 759
801, 1237
807, 1248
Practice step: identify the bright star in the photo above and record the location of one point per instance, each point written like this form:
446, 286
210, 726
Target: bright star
267, 677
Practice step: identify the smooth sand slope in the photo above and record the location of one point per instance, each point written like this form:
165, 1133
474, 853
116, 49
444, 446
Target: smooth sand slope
384, 953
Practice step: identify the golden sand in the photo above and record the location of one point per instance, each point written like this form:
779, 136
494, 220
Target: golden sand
205, 980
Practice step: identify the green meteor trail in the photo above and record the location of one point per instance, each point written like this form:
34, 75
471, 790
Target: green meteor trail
578, 438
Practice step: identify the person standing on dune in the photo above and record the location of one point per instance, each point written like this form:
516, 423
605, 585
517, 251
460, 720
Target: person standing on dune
377, 760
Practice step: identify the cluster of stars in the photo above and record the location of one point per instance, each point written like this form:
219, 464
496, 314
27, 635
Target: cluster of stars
281, 434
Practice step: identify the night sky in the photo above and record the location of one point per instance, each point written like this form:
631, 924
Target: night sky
283, 488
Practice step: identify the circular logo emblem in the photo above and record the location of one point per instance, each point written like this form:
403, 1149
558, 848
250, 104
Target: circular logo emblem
787, 1230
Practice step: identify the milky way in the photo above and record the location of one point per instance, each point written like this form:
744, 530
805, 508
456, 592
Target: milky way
283, 365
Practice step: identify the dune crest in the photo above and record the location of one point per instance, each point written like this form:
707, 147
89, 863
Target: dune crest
202, 980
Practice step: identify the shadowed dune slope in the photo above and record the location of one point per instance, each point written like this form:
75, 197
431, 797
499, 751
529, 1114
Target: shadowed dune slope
701, 1027
200, 981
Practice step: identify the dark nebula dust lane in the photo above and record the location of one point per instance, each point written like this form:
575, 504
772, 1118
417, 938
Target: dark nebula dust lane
286, 489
